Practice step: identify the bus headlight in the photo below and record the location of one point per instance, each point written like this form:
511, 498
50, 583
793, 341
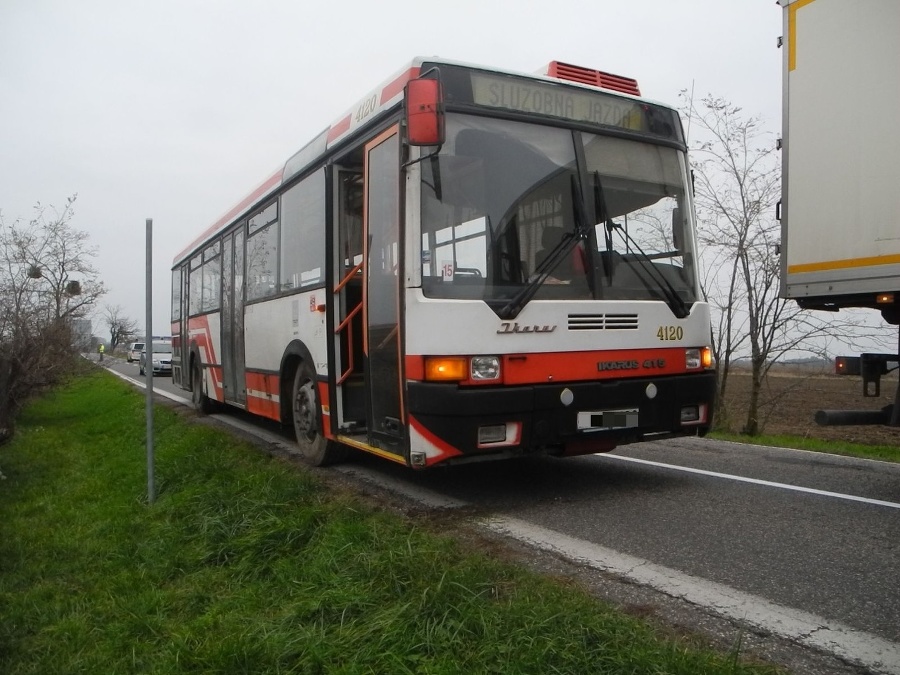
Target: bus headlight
461, 368
695, 359
485, 368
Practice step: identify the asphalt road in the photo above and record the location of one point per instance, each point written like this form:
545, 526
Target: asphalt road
816, 534
825, 555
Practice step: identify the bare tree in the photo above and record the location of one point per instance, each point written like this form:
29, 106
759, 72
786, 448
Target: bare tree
121, 328
46, 281
737, 184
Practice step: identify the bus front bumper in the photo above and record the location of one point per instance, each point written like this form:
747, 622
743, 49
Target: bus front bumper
563, 418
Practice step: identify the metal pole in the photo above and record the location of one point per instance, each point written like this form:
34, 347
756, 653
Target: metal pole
895, 414
148, 363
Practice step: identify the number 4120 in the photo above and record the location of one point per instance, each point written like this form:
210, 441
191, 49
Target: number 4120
670, 333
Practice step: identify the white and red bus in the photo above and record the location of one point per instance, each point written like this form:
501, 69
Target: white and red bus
469, 264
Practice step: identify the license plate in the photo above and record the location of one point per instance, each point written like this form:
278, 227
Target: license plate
607, 419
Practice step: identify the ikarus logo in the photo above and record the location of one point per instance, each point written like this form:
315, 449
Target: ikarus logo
508, 327
618, 365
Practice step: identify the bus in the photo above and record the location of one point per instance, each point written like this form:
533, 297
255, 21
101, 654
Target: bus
469, 264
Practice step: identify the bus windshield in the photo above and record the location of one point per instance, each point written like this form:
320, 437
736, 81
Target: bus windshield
517, 210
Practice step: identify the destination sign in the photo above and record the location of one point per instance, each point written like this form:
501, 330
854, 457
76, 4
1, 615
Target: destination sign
547, 99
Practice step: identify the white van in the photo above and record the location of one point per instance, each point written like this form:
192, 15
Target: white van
134, 351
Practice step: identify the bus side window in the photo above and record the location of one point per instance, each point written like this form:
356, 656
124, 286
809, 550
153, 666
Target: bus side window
350, 220
262, 252
302, 247
211, 279
176, 294
196, 285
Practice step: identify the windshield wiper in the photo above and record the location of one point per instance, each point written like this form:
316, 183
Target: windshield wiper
670, 295
557, 254
602, 213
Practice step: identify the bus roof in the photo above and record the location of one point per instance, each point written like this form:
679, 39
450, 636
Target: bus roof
375, 103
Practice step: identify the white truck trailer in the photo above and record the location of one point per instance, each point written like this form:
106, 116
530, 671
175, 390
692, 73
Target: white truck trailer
840, 215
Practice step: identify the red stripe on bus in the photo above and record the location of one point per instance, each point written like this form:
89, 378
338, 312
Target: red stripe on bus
338, 130
395, 87
262, 382
446, 451
595, 365
263, 408
573, 366
415, 367
325, 425
200, 334
262, 393
217, 377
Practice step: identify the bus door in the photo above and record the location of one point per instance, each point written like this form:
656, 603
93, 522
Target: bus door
381, 227
181, 342
233, 379
347, 354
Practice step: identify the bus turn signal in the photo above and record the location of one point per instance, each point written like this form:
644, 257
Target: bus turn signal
446, 368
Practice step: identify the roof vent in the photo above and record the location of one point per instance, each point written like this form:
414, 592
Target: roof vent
595, 78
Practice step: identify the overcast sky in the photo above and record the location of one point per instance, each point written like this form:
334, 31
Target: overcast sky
175, 109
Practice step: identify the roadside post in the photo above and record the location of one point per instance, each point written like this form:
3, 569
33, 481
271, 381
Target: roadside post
148, 367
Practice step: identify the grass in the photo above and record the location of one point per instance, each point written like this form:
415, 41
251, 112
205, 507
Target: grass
248, 564
887, 453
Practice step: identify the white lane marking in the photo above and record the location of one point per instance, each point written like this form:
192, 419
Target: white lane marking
755, 481
808, 629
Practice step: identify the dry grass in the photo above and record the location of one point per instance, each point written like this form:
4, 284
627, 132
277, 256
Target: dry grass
792, 394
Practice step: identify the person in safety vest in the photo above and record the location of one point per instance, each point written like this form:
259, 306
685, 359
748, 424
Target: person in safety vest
101, 349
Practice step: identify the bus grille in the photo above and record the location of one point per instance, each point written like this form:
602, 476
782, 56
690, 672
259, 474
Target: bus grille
603, 321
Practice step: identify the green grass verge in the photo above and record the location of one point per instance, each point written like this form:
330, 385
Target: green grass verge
247, 564
886, 453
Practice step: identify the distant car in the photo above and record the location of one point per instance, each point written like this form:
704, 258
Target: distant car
134, 351
160, 358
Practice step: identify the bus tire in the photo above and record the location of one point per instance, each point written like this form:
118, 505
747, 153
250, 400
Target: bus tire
201, 402
315, 449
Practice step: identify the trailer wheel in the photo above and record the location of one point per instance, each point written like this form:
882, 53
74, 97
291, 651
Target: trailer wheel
201, 402
315, 449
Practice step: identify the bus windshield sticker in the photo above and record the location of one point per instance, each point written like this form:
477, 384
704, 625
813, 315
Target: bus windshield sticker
447, 270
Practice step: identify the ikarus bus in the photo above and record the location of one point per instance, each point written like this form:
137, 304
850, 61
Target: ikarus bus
469, 264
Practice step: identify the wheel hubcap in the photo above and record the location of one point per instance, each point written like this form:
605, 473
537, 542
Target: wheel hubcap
304, 406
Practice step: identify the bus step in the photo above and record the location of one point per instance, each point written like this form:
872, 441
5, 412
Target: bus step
354, 392
354, 428
355, 439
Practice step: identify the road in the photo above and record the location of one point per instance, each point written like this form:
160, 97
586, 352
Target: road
799, 544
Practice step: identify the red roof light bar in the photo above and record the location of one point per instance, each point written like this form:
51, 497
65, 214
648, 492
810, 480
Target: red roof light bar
596, 78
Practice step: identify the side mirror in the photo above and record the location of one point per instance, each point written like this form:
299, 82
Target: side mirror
424, 112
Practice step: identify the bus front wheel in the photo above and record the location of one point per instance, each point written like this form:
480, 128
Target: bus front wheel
315, 449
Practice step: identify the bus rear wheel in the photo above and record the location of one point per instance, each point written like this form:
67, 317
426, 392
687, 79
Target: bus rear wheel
201, 402
315, 449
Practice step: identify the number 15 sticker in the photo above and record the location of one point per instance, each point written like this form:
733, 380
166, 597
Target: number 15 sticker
447, 270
